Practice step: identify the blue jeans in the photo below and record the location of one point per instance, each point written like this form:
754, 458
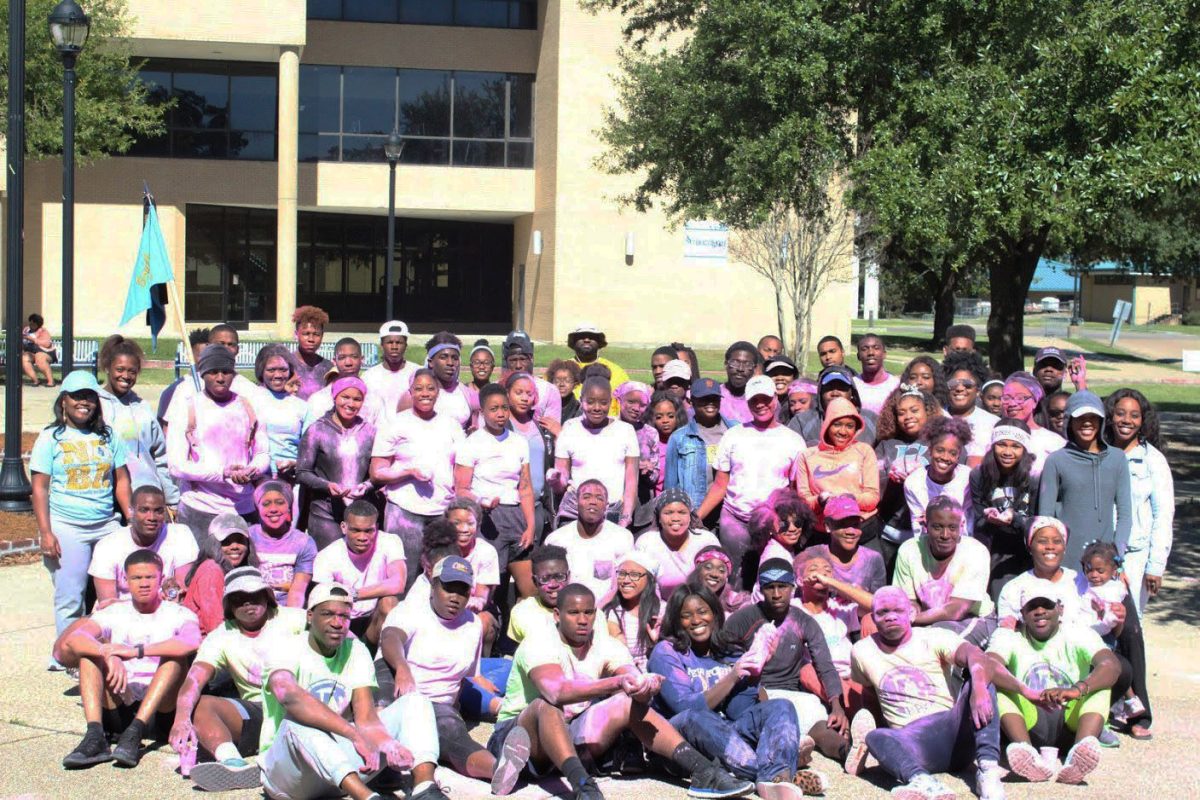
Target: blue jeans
474, 699
940, 742
760, 745
69, 572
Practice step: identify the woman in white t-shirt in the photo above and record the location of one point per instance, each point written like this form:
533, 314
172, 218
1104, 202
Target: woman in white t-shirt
675, 541
413, 460
492, 468
946, 438
595, 446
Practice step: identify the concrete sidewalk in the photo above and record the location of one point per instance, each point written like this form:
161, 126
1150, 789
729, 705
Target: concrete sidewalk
40, 721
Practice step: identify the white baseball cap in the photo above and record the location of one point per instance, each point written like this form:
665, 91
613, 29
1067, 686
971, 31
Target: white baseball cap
760, 385
393, 328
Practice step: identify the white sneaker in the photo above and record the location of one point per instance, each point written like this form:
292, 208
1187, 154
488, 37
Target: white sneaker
987, 781
923, 787
1027, 762
862, 724
1083, 758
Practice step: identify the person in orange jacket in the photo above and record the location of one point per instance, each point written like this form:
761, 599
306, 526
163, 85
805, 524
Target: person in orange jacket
841, 465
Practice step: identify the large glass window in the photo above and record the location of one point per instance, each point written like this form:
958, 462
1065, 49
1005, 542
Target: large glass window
229, 271
456, 118
467, 13
221, 109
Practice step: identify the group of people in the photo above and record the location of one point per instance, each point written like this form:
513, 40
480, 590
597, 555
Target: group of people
319, 579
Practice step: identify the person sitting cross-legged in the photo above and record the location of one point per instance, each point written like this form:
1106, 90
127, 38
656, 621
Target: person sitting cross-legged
1058, 693
574, 693
228, 728
433, 647
930, 730
131, 656
322, 735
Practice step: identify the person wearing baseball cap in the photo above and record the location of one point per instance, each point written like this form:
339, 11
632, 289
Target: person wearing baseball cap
429, 648
1056, 682
252, 619
388, 381
692, 449
518, 357
587, 340
1049, 367
834, 381
752, 461
857, 572
337, 754
801, 641
782, 370
676, 378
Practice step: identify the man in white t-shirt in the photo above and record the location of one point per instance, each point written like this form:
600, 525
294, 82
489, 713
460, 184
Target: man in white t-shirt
148, 528
321, 732
368, 561
132, 656
593, 544
389, 380
929, 729
433, 649
874, 383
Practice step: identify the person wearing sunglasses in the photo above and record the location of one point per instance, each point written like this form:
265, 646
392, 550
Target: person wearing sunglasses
965, 374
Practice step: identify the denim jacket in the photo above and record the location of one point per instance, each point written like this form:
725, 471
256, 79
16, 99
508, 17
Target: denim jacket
1153, 494
687, 461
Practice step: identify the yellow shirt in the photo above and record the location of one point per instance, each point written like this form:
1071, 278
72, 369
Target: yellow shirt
619, 376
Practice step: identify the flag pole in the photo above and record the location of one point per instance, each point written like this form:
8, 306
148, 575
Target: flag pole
177, 305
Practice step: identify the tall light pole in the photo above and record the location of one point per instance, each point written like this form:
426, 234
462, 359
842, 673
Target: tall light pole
69, 28
392, 149
14, 484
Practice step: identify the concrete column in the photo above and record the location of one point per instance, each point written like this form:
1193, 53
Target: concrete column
871, 291
285, 234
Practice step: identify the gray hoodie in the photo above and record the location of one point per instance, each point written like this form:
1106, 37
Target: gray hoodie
1088, 492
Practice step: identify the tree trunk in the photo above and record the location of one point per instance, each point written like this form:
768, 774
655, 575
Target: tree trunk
1010, 274
943, 302
780, 316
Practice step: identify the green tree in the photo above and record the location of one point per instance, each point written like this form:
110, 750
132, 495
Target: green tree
112, 109
978, 134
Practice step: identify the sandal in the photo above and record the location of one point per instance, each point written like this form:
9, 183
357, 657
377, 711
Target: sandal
1140, 732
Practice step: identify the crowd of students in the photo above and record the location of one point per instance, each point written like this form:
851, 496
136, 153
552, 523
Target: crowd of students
319, 579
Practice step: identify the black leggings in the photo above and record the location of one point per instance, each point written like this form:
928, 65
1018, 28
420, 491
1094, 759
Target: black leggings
1131, 652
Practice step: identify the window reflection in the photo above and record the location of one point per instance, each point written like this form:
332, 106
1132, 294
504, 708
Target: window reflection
469, 13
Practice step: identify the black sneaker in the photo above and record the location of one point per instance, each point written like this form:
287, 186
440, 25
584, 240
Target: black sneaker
431, 792
128, 751
715, 783
588, 790
93, 749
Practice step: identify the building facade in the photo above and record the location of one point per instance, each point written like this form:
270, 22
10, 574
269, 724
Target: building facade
272, 185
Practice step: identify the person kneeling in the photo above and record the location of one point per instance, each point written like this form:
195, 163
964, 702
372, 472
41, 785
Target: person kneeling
930, 730
321, 734
131, 657
228, 728
1062, 696
434, 648
574, 693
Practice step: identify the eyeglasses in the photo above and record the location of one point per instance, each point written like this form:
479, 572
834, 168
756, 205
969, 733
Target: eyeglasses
961, 383
740, 364
626, 575
481, 362
1016, 398
554, 577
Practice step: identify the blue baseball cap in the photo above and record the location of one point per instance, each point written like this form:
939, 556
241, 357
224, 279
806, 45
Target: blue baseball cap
78, 381
776, 570
454, 569
705, 387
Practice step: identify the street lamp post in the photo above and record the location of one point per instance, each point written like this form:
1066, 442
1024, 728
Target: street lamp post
69, 28
14, 484
392, 149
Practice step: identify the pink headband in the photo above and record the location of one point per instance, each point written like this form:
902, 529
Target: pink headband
629, 387
709, 555
348, 382
806, 386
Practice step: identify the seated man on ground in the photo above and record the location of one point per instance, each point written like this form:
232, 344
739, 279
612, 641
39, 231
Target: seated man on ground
228, 728
799, 640
535, 615
434, 649
368, 561
321, 733
1057, 695
148, 529
575, 693
946, 575
929, 729
132, 657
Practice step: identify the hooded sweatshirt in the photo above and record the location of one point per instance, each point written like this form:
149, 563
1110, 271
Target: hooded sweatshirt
1084, 489
852, 469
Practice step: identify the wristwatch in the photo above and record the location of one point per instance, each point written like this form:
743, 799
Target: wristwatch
141, 651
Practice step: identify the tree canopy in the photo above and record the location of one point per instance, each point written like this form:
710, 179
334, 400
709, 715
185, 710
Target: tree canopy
111, 108
978, 134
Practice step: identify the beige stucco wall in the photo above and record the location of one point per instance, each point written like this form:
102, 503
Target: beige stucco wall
582, 273
1151, 300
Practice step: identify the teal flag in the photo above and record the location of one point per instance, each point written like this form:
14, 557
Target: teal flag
151, 268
